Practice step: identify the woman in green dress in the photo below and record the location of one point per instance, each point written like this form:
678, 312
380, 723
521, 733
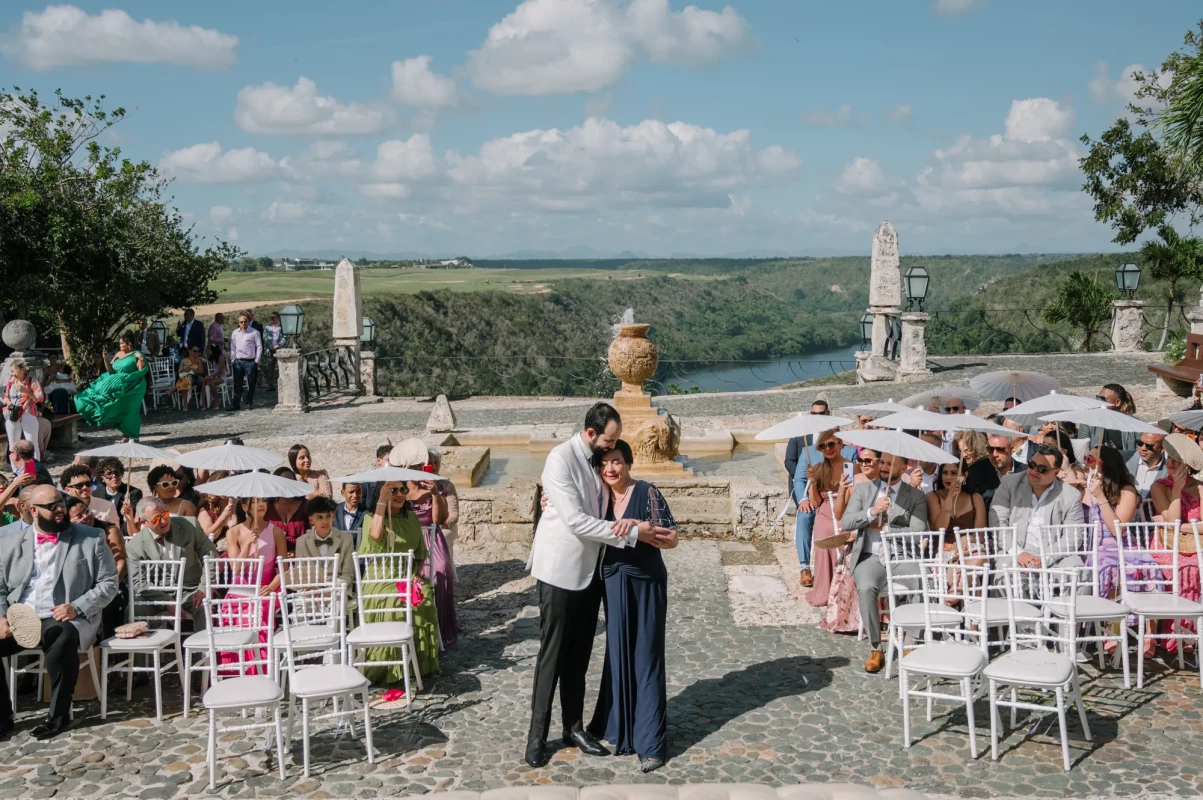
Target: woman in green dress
115, 398
393, 528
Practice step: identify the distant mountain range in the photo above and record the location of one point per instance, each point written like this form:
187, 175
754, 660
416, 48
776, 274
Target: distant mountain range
577, 253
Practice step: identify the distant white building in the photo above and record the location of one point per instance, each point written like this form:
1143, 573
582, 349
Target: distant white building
298, 264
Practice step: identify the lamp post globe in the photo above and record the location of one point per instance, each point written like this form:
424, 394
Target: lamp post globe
292, 320
368, 335
866, 328
916, 281
1127, 279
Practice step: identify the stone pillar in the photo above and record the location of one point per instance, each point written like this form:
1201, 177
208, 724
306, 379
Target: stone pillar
367, 372
21, 336
912, 363
348, 315
885, 298
290, 391
1195, 315
1126, 334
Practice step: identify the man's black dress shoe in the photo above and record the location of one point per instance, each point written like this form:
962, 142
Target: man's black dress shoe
579, 737
536, 752
52, 727
7, 726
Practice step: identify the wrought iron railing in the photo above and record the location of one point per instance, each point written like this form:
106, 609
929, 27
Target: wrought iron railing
1000, 331
893, 341
328, 372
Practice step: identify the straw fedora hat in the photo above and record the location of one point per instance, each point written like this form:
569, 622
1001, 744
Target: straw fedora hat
409, 453
1181, 447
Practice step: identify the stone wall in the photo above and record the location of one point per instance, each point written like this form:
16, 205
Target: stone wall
502, 519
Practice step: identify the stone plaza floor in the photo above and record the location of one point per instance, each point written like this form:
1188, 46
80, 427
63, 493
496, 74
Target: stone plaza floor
756, 694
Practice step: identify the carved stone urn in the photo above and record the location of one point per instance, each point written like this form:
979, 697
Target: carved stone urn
633, 357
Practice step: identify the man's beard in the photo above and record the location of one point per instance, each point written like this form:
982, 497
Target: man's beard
52, 525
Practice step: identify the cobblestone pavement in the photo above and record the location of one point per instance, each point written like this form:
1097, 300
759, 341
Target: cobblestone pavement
772, 703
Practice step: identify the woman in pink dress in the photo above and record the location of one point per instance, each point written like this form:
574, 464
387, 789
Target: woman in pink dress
289, 514
1176, 498
827, 478
255, 537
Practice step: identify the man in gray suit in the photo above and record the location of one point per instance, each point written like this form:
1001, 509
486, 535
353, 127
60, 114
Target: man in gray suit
167, 538
1146, 465
67, 574
1032, 500
874, 505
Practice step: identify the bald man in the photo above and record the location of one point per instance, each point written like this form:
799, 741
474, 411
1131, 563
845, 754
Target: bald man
25, 519
67, 575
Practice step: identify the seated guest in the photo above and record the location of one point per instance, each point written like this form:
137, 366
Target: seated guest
215, 517
451, 496
67, 574
61, 389
873, 505
979, 475
371, 491
187, 488
301, 462
1118, 399
192, 372
322, 540
22, 460
165, 487
1031, 500
928, 473
164, 537
76, 481
288, 513
349, 514
18, 507
1002, 454
114, 613
1146, 466
216, 373
109, 484
10, 502
954, 504
1176, 498
1071, 472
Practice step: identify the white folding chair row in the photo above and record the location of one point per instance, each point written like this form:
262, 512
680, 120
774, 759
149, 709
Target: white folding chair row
906, 553
155, 596
37, 666
1042, 627
1151, 594
379, 578
241, 623
162, 380
313, 636
223, 577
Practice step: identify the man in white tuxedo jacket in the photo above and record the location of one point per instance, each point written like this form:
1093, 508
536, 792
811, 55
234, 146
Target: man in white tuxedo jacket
569, 543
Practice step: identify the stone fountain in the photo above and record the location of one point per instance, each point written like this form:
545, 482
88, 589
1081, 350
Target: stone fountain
654, 435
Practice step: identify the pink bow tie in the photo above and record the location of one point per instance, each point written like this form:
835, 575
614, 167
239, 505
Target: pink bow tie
46, 538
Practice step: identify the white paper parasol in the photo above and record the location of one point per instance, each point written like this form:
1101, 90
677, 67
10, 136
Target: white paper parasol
899, 444
801, 425
387, 474
129, 451
1191, 419
256, 484
1020, 384
877, 409
230, 458
1029, 412
1104, 418
922, 420
940, 397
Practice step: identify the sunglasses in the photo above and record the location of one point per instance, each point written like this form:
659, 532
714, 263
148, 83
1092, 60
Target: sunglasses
867, 462
82, 485
1041, 469
159, 519
996, 449
829, 445
954, 409
109, 475
58, 506
1147, 446
168, 484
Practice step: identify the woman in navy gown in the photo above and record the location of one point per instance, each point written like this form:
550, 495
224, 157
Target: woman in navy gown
633, 696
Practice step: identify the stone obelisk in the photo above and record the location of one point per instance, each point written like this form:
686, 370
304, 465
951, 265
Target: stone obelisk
348, 312
885, 300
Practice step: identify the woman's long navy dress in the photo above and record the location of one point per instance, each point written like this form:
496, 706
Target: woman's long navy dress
632, 700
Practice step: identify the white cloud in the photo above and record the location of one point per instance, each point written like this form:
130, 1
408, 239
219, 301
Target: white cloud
600, 164
219, 214
66, 36
423, 221
326, 159
862, 176
828, 119
563, 46
232, 235
285, 212
208, 163
415, 85
384, 191
901, 113
1122, 90
1037, 119
406, 160
302, 110
952, 8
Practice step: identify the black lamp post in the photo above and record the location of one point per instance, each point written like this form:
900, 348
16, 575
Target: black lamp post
1127, 279
368, 336
292, 319
159, 329
916, 280
866, 329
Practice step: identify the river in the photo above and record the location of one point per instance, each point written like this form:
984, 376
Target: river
748, 376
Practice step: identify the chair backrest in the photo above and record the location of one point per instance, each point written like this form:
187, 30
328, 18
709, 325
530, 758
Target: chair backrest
1141, 543
156, 590
1058, 542
908, 549
1042, 608
299, 574
984, 542
966, 586
256, 614
377, 576
162, 368
309, 617
222, 574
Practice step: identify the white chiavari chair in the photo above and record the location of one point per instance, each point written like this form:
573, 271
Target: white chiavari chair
379, 601
319, 573
905, 554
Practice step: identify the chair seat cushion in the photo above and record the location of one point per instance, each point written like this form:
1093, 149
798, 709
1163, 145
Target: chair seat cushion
944, 658
910, 615
1089, 608
380, 633
243, 692
996, 610
1031, 668
223, 640
326, 680
1168, 605
155, 640
307, 637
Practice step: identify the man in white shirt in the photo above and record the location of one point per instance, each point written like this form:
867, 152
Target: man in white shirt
1032, 500
246, 348
1147, 466
76, 481
67, 575
570, 540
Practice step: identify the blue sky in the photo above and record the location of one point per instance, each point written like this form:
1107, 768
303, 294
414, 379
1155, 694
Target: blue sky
481, 127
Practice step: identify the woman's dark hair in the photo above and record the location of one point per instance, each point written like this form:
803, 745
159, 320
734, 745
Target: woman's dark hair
240, 510
295, 451
600, 417
321, 505
187, 478
1126, 403
967, 487
157, 474
280, 472
128, 338
214, 353
1065, 444
622, 448
71, 501
1115, 473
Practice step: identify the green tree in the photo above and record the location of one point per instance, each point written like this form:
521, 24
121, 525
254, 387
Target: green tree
1173, 259
89, 243
1181, 122
1084, 304
265, 262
